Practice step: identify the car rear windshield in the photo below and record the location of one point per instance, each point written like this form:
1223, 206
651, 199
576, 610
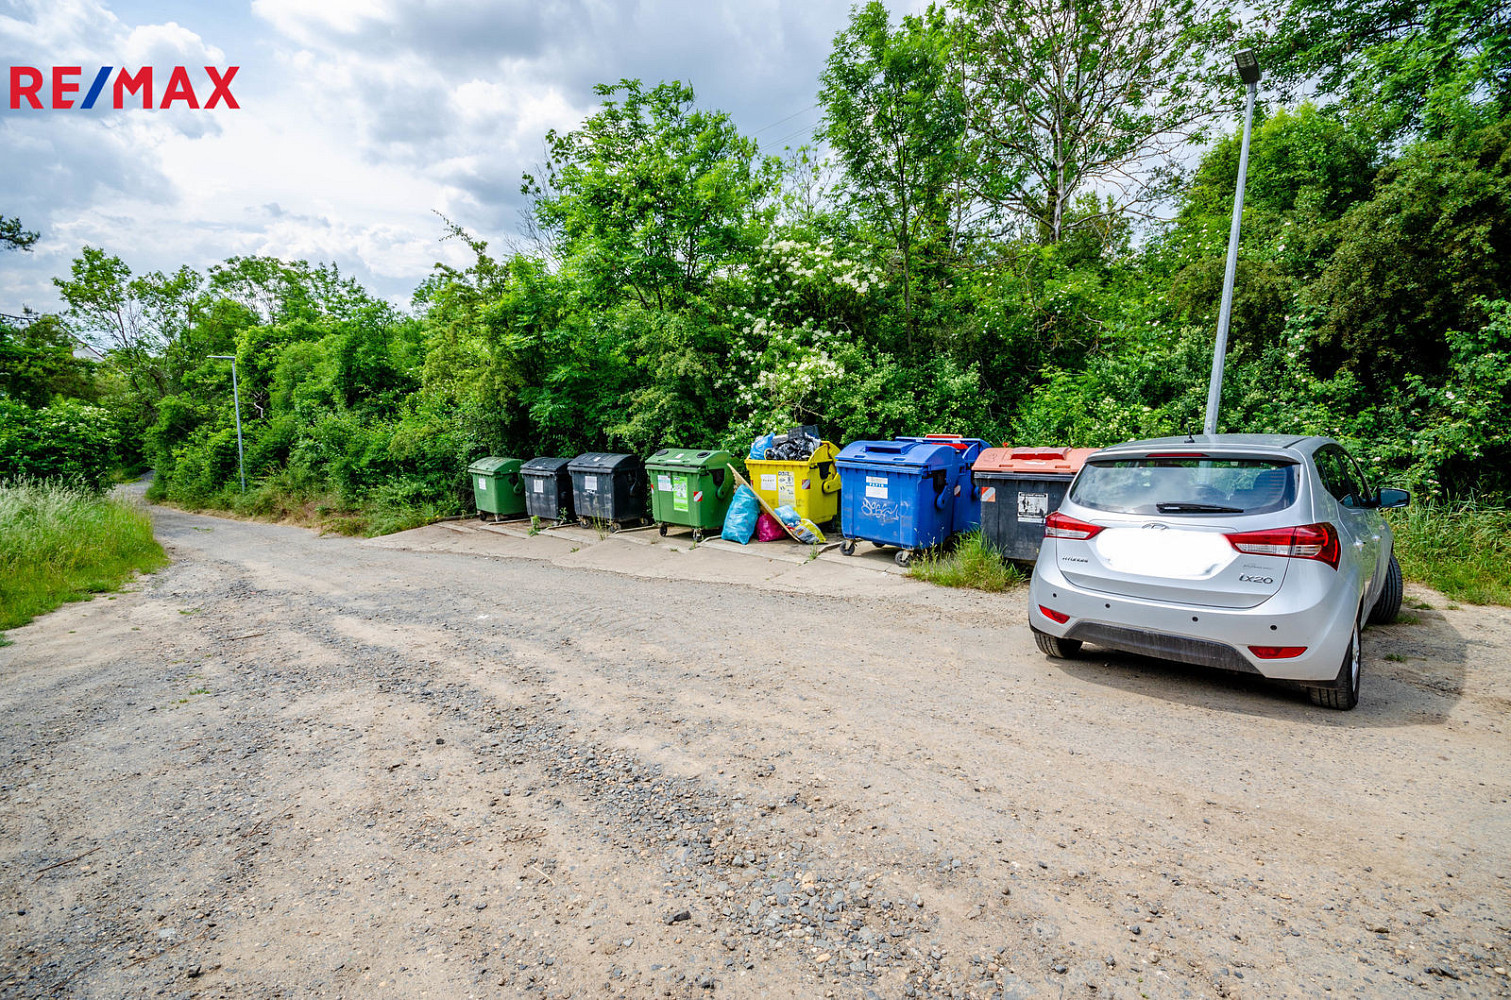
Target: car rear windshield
1195, 486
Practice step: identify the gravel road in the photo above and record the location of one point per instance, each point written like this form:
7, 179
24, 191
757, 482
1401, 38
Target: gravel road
460, 762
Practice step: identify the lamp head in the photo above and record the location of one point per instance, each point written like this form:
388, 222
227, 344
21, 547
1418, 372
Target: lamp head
1248, 66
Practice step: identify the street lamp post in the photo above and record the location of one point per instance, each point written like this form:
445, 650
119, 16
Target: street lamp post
241, 462
1248, 71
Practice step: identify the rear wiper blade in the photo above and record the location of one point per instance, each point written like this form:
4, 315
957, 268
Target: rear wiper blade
1196, 508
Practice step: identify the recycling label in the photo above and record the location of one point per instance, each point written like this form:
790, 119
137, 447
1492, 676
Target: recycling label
876, 487
482, 485
1033, 508
768, 480
538, 485
590, 483
679, 494
786, 492
664, 483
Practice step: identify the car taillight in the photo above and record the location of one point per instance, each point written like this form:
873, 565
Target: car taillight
1054, 615
1277, 652
1309, 541
1058, 525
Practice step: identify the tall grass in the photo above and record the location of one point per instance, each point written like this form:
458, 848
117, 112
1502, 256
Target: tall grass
62, 543
284, 499
1463, 550
970, 563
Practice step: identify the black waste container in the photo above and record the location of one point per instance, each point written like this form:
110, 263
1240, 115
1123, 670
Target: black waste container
608, 487
548, 489
1020, 487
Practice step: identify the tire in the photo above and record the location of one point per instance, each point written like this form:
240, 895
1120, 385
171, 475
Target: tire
614, 526
662, 529
878, 545
697, 535
847, 547
1053, 645
904, 558
1343, 693
1388, 604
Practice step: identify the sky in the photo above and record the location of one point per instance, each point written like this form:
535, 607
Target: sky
358, 120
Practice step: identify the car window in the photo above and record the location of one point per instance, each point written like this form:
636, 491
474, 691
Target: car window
1337, 475
1182, 486
1362, 494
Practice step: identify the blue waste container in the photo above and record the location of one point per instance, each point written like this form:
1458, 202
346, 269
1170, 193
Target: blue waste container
967, 494
898, 493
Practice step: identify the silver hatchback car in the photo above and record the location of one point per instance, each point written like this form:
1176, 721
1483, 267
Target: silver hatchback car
1259, 553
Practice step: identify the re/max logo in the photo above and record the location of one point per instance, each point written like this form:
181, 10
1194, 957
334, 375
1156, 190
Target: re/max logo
26, 84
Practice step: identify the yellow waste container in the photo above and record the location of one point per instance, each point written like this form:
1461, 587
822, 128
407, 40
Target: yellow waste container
810, 486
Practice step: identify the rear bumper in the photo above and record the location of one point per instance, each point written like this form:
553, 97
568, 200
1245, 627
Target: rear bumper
1204, 636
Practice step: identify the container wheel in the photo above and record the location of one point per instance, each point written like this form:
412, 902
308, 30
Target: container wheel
613, 526
662, 529
582, 521
847, 547
904, 557
878, 545
697, 535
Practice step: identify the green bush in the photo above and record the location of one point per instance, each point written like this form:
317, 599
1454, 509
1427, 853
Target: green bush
68, 440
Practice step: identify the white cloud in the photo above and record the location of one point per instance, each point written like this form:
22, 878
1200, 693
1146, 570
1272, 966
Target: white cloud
359, 119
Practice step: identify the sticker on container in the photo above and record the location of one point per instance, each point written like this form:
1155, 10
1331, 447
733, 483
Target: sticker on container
957, 489
679, 494
538, 485
876, 487
482, 485
664, 483
785, 491
698, 497
768, 480
590, 483
1033, 508
807, 484
989, 495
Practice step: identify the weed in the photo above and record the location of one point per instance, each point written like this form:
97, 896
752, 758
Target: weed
1419, 605
61, 543
199, 691
1395, 657
971, 563
1404, 619
1463, 550
534, 526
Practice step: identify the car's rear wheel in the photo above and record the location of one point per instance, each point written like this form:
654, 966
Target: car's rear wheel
1343, 693
1052, 645
1388, 604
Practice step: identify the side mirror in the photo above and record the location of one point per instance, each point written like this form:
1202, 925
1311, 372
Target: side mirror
1389, 497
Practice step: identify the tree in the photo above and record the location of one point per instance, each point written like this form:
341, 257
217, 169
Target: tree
37, 364
13, 237
652, 197
1071, 95
1402, 66
896, 117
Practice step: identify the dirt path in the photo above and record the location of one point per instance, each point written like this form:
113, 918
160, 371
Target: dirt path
460, 763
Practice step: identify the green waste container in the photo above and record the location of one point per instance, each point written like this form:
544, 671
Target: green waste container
691, 488
497, 487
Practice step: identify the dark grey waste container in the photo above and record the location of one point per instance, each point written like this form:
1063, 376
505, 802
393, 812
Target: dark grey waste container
608, 487
548, 488
1019, 488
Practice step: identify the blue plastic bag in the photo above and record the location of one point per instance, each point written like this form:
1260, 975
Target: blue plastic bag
761, 445
740, 520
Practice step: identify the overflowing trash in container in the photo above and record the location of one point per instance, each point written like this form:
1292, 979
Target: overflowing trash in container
797, 469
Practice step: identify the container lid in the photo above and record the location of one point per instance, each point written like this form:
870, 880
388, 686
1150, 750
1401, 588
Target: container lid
545, 465
1055, 461
494, 464
689, 459
603, 461
902, 454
